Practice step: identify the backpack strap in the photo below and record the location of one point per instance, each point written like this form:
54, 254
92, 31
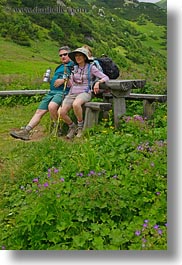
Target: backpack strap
90, 81
89, 78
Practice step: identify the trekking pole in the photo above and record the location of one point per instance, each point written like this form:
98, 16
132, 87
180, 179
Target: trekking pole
58, 120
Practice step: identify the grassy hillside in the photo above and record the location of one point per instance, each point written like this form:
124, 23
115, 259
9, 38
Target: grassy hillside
23, 67
162, 4
137, 43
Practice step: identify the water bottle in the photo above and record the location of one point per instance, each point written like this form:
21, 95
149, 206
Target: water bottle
47, 75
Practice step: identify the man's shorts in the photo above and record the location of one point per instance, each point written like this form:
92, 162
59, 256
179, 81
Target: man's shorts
70, 98
51, 97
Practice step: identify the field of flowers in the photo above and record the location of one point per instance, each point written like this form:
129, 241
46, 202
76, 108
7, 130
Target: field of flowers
107, 191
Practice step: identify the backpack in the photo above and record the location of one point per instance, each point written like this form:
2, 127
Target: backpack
109, 67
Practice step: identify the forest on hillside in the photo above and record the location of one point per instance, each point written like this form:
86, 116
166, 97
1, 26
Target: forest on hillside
134, 35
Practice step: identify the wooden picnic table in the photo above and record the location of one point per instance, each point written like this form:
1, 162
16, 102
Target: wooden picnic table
119, 89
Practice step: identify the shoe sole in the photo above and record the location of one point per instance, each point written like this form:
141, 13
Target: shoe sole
14, 135
70, 137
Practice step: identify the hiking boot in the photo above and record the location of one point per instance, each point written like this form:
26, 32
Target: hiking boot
71, 132
22, 134
79, 132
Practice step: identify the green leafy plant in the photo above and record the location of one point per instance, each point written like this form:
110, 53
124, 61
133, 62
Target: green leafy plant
105, 192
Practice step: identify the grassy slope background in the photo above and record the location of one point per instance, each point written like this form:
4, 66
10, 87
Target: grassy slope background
134, 36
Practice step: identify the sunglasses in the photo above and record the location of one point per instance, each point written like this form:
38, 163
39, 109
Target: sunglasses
64, 54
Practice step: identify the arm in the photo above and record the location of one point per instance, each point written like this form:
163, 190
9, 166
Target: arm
103, 78
58, 82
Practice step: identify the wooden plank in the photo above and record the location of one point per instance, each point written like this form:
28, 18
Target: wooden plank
98, 105
23, 92
118, 84
134, 96
149, 97
125, 85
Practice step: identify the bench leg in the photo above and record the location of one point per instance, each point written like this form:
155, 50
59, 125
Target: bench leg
91, 118
148, 108
119, 109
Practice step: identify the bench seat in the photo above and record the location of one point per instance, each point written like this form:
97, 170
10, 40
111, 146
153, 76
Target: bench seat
148, 99
92, 110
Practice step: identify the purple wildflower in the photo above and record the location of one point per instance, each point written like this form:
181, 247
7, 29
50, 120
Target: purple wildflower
56, 170
160, 231
158, 193
79, 174
49, 175
140, 148
92, 172
146, 221
138, 118
145, 225
156, 226
46, 184
36, 180
3, 247
137, 233
115, 177
62, 179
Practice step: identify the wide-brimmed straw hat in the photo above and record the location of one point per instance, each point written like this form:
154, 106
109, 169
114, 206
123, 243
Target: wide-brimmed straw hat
79, 50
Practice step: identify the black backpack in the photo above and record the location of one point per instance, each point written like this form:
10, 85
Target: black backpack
109, 67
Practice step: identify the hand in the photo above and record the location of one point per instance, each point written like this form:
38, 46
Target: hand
96, 88
58, 82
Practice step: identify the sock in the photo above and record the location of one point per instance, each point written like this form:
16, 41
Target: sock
80, 124
28, 128
71, 125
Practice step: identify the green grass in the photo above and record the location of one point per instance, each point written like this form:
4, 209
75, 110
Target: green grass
154, 36
24, 66
94, 193
11, 117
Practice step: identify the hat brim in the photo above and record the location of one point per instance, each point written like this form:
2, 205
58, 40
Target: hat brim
72, 56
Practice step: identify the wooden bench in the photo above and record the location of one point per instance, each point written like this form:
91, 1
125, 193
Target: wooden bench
148, 99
